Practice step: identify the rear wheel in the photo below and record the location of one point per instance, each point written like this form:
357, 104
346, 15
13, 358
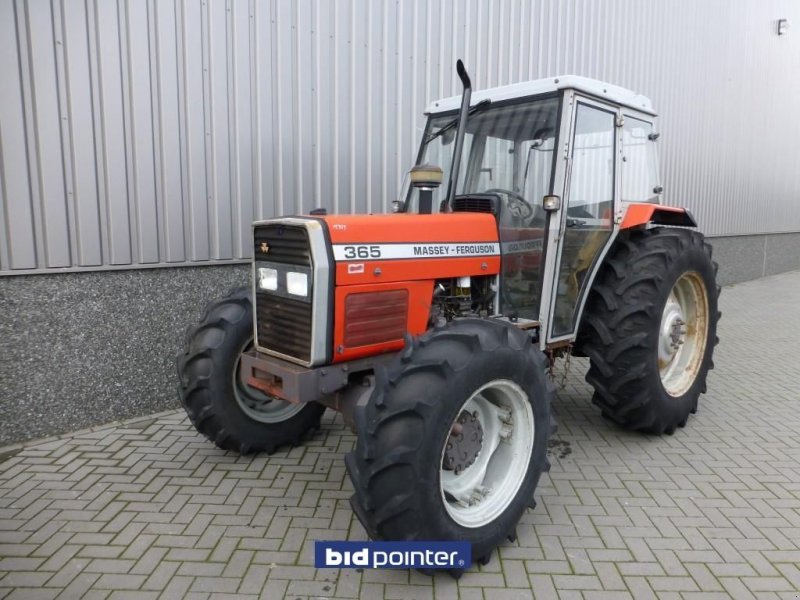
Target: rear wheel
453, 441
650, 327
231, 414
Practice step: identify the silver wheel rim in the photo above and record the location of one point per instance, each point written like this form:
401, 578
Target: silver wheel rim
482, 491
682, 334
256, 404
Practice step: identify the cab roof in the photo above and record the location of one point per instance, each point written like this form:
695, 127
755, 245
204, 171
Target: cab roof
593, 87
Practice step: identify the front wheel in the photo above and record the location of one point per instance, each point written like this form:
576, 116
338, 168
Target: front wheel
453, 441
232, 415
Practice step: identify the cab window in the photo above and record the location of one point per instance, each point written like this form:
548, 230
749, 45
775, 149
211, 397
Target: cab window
639, 168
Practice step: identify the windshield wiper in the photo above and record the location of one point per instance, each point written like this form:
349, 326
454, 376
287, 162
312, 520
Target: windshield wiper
448, 126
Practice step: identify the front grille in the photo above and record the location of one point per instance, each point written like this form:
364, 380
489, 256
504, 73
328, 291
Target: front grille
285, 244
481, 203
283, 324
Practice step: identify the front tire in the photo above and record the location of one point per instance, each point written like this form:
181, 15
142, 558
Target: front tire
650, 327
234, 416
453, 440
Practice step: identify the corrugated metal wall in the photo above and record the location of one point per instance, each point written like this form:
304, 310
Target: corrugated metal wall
151, 132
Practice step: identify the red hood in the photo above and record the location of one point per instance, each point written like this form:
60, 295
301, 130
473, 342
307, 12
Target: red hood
408, 227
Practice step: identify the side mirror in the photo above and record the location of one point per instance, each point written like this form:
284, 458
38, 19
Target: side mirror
398, 206
551, 203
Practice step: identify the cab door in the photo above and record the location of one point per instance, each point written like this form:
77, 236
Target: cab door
584, 227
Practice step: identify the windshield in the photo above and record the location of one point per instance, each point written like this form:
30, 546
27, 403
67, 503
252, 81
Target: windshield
506, 149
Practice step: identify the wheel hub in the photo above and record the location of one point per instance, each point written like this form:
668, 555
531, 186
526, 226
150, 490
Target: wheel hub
487, 453
464, 443
672, 331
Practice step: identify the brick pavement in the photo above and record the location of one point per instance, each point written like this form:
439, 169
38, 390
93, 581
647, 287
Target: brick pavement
148, 509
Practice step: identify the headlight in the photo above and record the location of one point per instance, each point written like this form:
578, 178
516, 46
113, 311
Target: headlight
267, 279
297, 284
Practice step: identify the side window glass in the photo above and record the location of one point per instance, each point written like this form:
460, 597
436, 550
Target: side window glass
589, 210
639, 169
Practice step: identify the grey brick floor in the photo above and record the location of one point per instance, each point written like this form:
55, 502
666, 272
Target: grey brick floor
148, 508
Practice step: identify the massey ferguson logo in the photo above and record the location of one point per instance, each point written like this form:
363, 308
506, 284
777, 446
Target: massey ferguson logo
264, 247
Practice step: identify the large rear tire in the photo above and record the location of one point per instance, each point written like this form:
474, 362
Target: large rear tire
232, 415
453, 440
650, 327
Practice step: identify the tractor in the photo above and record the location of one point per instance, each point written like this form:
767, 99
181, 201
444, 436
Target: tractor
432, 329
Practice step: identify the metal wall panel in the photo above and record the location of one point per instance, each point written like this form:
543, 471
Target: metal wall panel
139, 133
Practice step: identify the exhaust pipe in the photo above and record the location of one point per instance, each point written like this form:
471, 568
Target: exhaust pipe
460, 131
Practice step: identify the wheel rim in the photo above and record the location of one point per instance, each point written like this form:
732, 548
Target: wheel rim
683, 334
498, 418
257, 405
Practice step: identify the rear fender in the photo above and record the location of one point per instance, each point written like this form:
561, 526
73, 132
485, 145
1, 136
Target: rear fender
641, 214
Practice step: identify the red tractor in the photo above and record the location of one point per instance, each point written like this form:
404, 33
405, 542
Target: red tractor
432, 329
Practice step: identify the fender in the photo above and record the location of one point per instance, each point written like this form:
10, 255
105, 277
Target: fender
657, 214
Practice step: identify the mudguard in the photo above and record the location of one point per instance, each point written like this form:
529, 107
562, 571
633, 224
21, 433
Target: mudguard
641, 214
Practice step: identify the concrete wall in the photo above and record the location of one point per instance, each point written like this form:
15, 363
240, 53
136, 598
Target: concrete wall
82, 349
742, 258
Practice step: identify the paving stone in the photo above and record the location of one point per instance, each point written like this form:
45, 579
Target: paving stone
277, 589
104, 565
177, 587
150, 509
24, 579
117, 581
23, 593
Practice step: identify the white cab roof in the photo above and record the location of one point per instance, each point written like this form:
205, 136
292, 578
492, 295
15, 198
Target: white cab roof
593, 87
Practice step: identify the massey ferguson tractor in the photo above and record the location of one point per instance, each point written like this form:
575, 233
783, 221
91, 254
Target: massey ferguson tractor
432, 329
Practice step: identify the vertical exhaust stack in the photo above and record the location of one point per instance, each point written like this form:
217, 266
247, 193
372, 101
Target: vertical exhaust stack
460, 131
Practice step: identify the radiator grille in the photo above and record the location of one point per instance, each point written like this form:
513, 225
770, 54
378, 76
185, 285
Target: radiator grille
285, 244
283, 324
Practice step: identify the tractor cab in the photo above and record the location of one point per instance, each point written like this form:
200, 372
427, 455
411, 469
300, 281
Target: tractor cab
556, 161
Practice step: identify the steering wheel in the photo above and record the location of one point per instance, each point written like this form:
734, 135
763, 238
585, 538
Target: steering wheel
517, 205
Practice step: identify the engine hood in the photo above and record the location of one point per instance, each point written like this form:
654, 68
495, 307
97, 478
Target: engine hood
409, 227
406, 247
